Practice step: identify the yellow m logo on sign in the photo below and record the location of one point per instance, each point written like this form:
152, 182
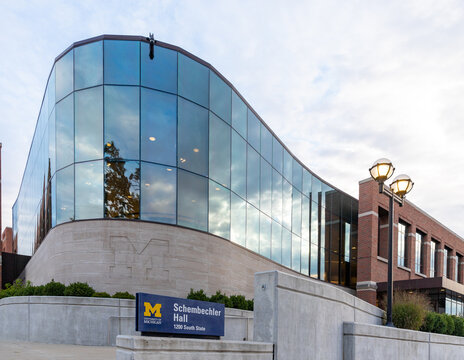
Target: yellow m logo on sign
149, 310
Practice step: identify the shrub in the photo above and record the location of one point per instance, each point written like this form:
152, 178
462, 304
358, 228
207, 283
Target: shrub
450, 324
250, 304
238, 302
220, 298
409, 309
79, 289
197, 295
458, 326
123, 295
101, 295
430, 322
53, 289
441, 325
39, 290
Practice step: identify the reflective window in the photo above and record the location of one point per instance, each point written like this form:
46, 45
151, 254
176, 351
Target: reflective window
254, 130
265, 202
314, 258
122, 62
220, 97
219, 210
402, 244
314, 224
277, 155
121, 122
65, 195
265, 236
266, 144
286, 247
305, 256
239, 115
287, 204
89, 124
306, 183
161, 72
334, 268
238, 220
418, 253
192, 201
158, 200
192, 137
88, 65
253, 180
219, 150
122, 189
322, 264
297, 175
51, 142
287, 166
316, 190
64, 132
346, 242
296, 212
238, 166
305, 218
296, 252
276, 250
252, 241
89, 190
64, 76
193, 80
51, 91
158, 121
276, 196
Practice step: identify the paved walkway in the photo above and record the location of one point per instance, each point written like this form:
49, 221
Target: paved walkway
21, 350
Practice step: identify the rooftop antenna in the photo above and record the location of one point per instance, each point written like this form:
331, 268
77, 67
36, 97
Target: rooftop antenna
151, 38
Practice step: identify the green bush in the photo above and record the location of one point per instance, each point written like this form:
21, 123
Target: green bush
238, 302
220, 298
408, 316
101, 295
53, 289
123, 295
197, 295
441, 325
430, 322
79, 289
39, 290
450, 322
251, 304
458, 326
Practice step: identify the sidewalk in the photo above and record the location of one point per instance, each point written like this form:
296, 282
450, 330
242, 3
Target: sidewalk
22, 350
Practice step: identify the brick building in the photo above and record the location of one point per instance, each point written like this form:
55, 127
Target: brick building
427, 256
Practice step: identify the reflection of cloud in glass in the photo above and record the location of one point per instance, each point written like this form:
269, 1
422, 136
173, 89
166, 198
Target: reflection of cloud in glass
238, 220
219, 210
89, 190
252, 237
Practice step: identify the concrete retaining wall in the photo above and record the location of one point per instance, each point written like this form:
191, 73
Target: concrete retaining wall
87, 321
362, 341
304, 317
145, 348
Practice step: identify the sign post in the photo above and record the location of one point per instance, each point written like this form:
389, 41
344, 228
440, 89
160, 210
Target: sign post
158, 315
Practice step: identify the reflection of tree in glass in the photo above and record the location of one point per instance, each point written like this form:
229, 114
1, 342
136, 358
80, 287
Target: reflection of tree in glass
122, 192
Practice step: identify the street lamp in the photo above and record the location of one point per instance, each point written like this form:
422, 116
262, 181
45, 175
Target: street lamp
381, 171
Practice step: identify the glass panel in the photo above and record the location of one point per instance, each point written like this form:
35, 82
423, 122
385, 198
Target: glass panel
65, 195
306, 183
266, 143
346, 242
254, 130
193, 80
192, 210
51, 91
316, 189
51, 142
287, 166
314, 258
305, 256
286, 247
238, 220
297, 175
239, 115
238, 168
219, 210
253, 167
89, 124
122, 62
265, 202
192, 137
64, 132
88, 67
305, 218
276, 242
89, 190
287, 204
322, 265
252, 242
265, 236
220, 97
277, 155
158, 201
161, 72
296, 252
219, 150
158, 119
296, 212
122, 189
64, 76
276, 196
334, 268
121, 122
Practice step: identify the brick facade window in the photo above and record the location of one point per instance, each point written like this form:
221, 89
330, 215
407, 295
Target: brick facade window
418, 263
402, 244
445, 262
433, 258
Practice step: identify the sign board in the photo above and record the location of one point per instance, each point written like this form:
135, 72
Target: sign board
170, 315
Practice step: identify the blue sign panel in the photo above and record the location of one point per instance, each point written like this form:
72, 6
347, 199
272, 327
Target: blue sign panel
170, 315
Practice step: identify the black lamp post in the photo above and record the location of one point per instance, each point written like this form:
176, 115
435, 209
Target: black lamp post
381, 171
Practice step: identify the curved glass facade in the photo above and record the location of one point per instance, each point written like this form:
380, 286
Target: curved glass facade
169, 140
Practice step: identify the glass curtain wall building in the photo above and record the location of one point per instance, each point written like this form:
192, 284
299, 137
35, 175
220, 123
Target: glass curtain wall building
170, 140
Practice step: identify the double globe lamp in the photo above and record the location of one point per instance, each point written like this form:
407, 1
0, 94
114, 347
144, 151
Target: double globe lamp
381, 171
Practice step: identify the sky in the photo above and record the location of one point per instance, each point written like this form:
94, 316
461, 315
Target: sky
342, 83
